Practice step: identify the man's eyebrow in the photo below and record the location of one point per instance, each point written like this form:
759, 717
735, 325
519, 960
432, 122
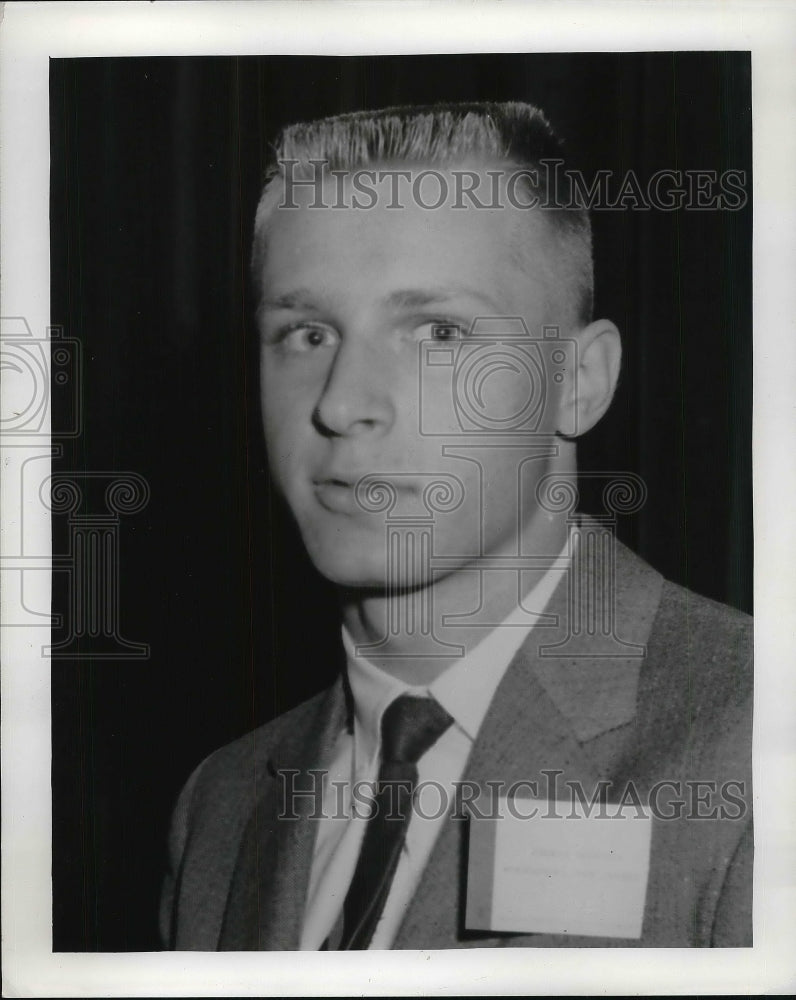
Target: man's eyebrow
407, 298
418, 298
299, 298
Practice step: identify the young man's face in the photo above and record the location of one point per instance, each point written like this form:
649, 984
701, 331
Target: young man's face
348, 297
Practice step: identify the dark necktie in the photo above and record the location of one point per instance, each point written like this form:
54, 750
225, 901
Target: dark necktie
409, 727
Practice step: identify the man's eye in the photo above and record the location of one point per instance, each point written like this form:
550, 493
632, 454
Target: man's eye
308, 338
440, 330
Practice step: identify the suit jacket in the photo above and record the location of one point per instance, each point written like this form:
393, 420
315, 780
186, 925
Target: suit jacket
238, 876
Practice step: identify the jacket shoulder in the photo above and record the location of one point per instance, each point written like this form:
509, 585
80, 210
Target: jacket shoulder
231, 770
208, 823
696, 683
712, 640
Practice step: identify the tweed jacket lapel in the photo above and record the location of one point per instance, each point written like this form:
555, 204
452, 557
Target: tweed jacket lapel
266, 901
547, 716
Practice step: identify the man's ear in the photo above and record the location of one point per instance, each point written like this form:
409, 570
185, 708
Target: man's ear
588, 393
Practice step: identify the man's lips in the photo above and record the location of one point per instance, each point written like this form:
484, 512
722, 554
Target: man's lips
336, 496
338, 492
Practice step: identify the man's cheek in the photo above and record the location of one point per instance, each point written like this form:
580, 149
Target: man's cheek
280, 426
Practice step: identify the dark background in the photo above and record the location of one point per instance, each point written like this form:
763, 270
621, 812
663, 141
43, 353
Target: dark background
155, 174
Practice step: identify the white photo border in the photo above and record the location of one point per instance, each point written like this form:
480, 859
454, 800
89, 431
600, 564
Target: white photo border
32, 33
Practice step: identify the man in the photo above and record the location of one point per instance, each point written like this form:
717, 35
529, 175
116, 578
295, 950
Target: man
428, 359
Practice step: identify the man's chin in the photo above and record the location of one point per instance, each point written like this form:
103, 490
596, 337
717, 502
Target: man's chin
358, 565
352, 573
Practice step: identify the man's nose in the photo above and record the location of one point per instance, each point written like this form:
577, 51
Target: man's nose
356, 397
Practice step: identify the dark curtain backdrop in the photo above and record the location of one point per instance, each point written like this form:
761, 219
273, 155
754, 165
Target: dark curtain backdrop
156, 170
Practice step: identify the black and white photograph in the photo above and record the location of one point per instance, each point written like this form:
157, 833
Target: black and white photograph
391, 434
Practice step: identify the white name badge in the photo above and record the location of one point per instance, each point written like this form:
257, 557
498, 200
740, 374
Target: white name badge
553, 868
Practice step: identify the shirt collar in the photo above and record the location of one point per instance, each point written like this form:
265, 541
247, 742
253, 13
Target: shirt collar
372, 690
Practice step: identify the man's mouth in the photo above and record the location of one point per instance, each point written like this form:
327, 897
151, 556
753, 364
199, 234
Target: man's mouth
352, 493
336, 493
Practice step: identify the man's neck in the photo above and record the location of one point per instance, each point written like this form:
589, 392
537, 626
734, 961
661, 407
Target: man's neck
391, 629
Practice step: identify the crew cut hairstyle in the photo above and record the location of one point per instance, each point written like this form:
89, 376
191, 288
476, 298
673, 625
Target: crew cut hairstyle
443, 135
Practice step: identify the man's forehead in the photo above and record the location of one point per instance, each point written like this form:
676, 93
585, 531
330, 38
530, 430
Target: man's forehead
467, 200
361, 228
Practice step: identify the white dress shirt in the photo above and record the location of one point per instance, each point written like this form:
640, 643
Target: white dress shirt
465, 690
